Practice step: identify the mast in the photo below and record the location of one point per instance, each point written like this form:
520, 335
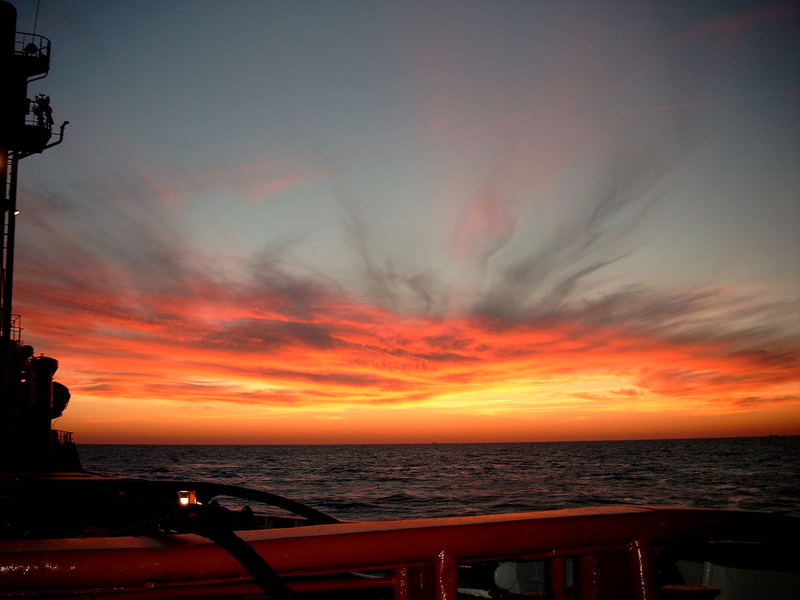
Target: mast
26, 128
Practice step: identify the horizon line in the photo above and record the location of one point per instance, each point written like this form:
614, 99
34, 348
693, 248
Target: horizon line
435, 443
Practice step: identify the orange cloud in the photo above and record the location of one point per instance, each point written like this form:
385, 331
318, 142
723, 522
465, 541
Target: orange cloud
158, 341
350, 360
254, 182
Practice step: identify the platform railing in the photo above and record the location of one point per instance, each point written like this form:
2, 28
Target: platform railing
34, 50
31, 44
596, 554
60, 437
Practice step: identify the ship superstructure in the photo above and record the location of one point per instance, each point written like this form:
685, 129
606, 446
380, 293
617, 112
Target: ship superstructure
29, 399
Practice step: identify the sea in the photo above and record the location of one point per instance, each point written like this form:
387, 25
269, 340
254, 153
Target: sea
405, 481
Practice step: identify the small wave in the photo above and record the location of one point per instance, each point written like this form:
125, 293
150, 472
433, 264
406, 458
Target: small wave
407, 481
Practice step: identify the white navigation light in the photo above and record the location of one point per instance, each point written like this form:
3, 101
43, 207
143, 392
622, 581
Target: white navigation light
187, 497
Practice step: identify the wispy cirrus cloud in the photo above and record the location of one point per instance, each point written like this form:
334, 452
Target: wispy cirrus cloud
721, 33
138, 311
255, 182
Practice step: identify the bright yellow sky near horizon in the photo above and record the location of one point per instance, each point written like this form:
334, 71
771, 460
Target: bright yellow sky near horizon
502, 386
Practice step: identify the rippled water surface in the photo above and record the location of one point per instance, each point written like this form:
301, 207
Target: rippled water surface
408, 481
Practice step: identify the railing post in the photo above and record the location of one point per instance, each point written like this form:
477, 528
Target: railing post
587, 577
400, 584
444, 576
558, 578
642, 571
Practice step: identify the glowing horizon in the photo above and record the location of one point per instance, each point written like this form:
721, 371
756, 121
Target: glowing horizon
356, 373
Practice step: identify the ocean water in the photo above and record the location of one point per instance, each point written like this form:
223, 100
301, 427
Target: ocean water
357, 482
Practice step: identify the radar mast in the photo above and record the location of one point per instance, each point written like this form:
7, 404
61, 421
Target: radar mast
26, 128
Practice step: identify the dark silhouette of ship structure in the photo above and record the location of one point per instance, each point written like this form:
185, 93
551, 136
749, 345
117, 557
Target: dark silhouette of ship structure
30, 398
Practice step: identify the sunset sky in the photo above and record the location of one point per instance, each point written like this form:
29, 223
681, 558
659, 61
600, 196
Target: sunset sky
375, 221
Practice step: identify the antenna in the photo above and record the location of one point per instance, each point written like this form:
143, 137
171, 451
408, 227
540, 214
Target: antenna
36, 16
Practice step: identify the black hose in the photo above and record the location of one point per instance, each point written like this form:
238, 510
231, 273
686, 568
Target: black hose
207, 521
265, 576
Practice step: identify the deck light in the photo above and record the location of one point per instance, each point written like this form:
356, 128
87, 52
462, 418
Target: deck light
187, 497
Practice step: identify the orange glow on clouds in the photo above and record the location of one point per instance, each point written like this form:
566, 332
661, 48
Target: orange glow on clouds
160, 342
354, 372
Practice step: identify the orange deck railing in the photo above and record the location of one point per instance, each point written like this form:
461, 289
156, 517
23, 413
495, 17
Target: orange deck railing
588, 553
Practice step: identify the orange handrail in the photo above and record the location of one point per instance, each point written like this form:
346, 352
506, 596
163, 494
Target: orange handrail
413, 559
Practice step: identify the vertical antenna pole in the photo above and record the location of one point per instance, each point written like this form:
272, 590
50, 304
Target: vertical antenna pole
36, 17
8, 25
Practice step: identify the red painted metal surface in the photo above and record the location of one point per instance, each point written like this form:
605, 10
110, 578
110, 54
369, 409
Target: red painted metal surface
611, 547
